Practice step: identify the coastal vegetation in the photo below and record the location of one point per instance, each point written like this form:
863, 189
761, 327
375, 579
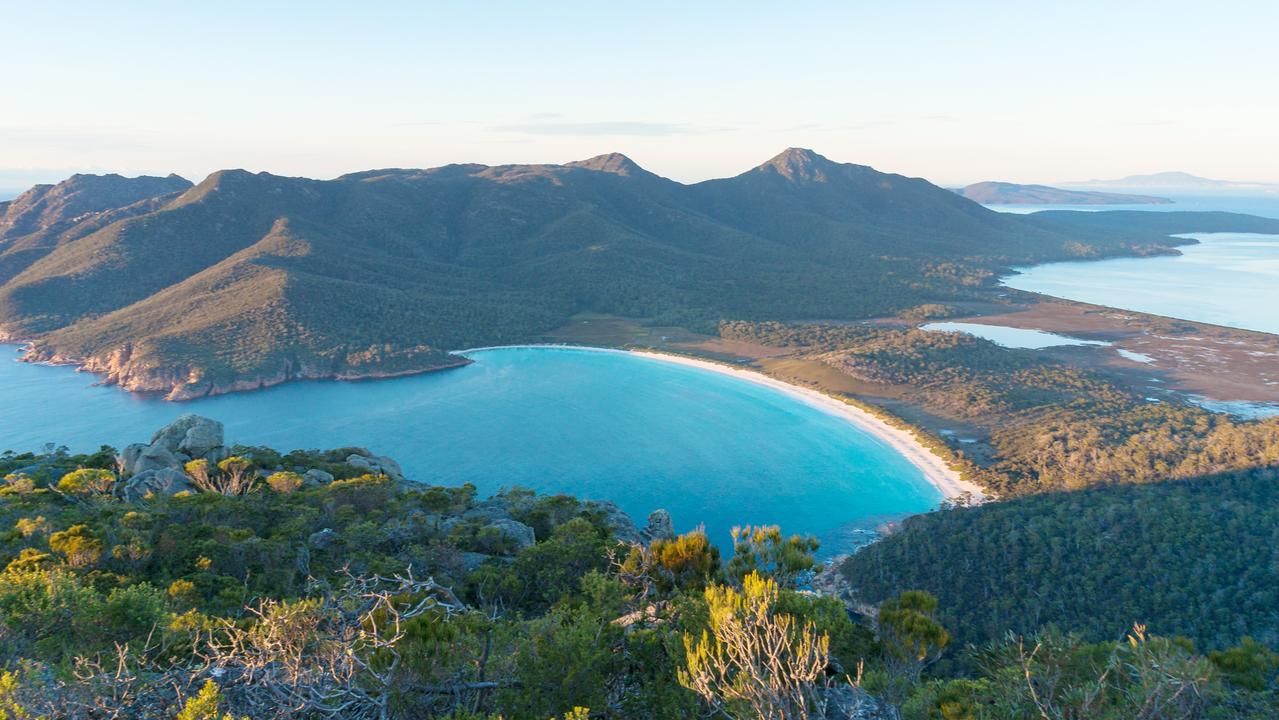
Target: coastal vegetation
1047, 425
317, 584
1192, 558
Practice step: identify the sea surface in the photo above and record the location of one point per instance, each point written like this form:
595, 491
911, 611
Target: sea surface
641, 432
1229, 279
1263, 205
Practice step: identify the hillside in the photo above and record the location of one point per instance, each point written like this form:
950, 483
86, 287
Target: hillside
1002, 193
253, 279
1193, 558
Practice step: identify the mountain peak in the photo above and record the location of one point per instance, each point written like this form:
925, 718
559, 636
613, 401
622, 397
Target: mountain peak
799, 165
615, 163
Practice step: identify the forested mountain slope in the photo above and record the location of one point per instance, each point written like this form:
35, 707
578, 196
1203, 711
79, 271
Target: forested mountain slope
251, 279
1195, 558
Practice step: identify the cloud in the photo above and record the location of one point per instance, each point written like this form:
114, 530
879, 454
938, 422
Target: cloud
616, 127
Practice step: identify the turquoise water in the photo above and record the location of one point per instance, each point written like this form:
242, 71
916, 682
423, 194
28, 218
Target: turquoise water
644, 433
1229, 279
1011, 337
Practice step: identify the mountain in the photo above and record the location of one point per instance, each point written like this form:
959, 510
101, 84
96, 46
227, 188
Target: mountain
1176, 181
1002, 193
46, 216
248, 279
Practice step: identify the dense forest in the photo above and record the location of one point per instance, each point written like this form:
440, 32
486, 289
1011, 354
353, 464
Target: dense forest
250, 279
252, 583
1194, 558
1051, 425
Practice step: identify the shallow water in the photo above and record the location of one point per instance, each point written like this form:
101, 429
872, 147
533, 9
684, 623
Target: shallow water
1229, 279
644, 433
1011, 337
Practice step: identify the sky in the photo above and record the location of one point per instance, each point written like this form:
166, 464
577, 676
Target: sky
952, 91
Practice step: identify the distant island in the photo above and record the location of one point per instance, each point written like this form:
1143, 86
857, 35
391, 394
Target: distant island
1176, 180
1003, 193
251, 279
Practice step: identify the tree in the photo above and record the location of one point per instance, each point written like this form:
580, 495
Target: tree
284, 482
755, 662
233, 476
686, 562
87, 481
762, 549
911, 639
77, 544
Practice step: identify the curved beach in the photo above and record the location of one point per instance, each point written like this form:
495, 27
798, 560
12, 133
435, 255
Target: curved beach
934, 468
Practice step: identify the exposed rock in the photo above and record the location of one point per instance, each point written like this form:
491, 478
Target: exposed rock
188, 437
389, 467
161, 482
659, 526
619, 522
316, 476
469, 561
488, 511
202, 438
377, 465
519, 533
174, 435
153, 457
321, 539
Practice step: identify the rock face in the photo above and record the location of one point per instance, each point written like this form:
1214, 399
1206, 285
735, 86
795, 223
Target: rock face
619, 522
163, 482
190, 434
377, 465
187, 438
659, 526
316, 476
517, 532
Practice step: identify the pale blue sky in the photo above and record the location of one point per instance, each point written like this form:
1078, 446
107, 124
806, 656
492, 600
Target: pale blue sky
952, 91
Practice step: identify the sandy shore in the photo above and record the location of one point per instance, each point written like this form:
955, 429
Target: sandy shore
904, 442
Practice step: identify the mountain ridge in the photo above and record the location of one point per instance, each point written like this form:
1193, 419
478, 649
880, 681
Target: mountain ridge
250, 279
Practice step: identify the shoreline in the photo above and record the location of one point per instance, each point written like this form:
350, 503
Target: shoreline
935, 469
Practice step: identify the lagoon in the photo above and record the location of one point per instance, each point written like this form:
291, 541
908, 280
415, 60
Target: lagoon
1229, 279
1011, 337
636, 430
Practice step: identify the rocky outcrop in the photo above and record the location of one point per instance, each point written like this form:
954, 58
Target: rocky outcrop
377, 465
659, 527
619, 522
177, 381
185, 439
521, 535
163, 482
316, 476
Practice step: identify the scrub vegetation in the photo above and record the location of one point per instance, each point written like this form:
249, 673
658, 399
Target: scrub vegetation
322, 590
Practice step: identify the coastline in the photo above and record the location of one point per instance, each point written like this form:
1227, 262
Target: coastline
904, 442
